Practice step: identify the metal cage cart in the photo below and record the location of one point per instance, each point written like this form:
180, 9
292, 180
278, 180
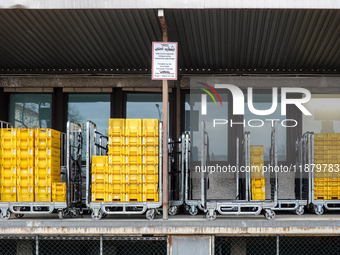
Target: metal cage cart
248, 206
176, 174
297, 205
102, 209
323, 180
21, 208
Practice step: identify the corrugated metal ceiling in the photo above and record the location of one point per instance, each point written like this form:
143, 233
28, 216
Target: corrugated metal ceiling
208, 39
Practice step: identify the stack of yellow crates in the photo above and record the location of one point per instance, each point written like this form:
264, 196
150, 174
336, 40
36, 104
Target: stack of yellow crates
326, 160
8, 165
25, 165
150, 160
47, 163
58, 192
130, 172
99, 186
258, 188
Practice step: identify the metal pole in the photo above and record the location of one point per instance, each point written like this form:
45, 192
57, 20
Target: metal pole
165, 126
277, 245
101, 244
37, 245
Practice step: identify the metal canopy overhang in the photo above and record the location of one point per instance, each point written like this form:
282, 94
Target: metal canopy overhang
118, 41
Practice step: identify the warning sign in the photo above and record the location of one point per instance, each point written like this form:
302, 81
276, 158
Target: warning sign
164, 60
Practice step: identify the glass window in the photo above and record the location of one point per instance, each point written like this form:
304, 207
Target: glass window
94, 107
325, 112
30, 110
218, 135
144, 106
261, 135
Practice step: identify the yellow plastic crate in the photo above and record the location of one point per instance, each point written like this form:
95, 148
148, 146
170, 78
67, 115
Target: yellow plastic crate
150, 160
333, 193
256, 160
321, 157
46, 180
133, 160
8, 181
99, 187
116, 127
8, 155
25, 138
8, 133
333, 159
117, 160
47, 162
150, 169
118, 188
42, 133
98, 178
320, 175
151, 197
25, 157
258, 182
25, 171
100, 160
133, 141
150, 141
59, 192
150, 150
48, 143
321, 142
133, 197
99, 168
150, 179
133, 150
258, 193
333, 136
257, 175
9, 143
150, 188
117, 169
256, 150
25, 194
47, 171
115, 179
8, 171
134, 188
25, 181
150, 127
134, 178
44, 152
321, 182
117, 150
133, 127
98, 197
320, 137
8, 194
43, 193
110, 197
117, 141
134, 169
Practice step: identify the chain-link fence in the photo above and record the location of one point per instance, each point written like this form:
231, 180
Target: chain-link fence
71, 245
278, 245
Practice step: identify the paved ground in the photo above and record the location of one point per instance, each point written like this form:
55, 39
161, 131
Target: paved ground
284, 223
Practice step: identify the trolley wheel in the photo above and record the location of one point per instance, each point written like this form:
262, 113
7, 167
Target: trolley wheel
269, 214
98, 217
150, 214
194, 211
173, 210
300, 211
74, 214
211, 216
19, 216
7, 216
318, 211
60, 214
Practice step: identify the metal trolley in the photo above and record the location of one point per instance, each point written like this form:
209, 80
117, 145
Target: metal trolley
238, 207
71, 205
307, 160
176, 152
102, 209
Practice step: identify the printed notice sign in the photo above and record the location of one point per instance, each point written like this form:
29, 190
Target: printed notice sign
164, 60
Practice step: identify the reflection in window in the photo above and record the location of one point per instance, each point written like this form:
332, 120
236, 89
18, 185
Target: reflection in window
144, 106
30, 110
94, 107
325, 112
262, 135
218, 135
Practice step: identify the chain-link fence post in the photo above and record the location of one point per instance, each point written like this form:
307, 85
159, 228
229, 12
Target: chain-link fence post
212, 245
37, 245
277, 245
101, 244
168, 242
